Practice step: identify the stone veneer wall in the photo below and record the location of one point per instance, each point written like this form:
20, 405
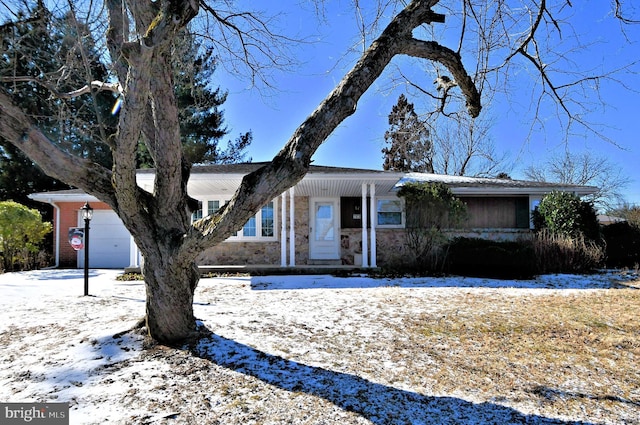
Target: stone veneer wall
241, 253
389, 244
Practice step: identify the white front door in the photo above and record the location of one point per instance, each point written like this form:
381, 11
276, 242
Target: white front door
324, 228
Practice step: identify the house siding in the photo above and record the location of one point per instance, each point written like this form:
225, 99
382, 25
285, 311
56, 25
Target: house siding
496, 212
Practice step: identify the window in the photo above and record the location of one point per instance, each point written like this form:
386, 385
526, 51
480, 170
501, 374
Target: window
212, 207
259, 227
267, 220
197, 214
249, 229
389, 213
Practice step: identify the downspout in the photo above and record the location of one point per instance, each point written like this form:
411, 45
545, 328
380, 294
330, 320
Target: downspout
57, 235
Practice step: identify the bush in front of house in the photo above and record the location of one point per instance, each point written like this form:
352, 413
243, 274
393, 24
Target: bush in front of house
21, 232
565, 214
622, 244
492, 259
429, 208
568, 238
558, 253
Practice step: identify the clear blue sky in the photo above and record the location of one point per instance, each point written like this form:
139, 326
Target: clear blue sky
358, 141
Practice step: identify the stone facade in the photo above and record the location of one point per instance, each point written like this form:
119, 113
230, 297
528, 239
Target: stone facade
265, 252
389, 244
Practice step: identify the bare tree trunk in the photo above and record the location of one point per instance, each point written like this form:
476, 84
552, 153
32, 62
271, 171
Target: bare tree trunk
170, 288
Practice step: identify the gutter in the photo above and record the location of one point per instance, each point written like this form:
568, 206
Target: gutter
57, 235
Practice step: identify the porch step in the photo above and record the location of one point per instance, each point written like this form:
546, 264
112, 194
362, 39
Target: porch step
312, 262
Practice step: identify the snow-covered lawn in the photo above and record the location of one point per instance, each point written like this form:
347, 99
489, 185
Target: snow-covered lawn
324, 350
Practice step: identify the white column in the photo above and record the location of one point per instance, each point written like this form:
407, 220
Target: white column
373, 211
292, 231
365, 236
134, 253
283, 230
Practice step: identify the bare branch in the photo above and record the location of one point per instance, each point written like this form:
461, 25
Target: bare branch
94, 85
621, 15
453, 62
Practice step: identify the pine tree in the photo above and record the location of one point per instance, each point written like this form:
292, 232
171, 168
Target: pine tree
409, 145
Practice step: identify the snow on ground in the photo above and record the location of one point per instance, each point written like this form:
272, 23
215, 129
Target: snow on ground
57, 345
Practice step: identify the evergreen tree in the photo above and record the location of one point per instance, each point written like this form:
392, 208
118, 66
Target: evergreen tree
41, 53
25, 43
409, 145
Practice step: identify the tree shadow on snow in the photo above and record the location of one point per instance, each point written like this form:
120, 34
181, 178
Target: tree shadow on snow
608, 280
378, 403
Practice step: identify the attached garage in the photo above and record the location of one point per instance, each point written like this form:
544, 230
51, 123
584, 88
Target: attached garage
109, 242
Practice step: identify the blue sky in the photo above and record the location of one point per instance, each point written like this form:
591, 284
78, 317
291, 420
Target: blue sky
273, 115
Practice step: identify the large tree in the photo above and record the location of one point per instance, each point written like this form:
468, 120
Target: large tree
409, 146
139, 36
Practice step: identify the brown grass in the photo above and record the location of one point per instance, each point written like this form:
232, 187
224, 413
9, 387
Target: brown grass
566, 352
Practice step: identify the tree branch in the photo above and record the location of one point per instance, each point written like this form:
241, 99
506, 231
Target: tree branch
291, 164
17, 128
94, 85
453, 62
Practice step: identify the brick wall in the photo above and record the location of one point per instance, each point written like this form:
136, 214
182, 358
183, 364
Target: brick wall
69, 218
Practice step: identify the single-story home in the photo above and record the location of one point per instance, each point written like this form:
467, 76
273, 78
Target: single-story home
333, 216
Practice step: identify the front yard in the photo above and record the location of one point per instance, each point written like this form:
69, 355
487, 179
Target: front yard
324, 350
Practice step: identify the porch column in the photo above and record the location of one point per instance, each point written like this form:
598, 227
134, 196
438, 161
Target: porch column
283, 230
134, 253
292, 230
373, 210
365, 236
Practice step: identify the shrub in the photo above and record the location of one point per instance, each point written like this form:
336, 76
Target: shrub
429, 207
494, 259
622, 244
565, 214
21, 232
558, 253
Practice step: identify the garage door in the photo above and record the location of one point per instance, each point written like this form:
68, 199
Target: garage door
109, 242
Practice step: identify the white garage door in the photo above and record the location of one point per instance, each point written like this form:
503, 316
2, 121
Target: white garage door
109, 242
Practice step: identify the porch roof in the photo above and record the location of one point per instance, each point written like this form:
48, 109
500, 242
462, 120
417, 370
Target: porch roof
224, 179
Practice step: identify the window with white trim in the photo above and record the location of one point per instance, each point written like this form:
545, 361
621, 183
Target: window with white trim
197, 214
260, 227
389, 212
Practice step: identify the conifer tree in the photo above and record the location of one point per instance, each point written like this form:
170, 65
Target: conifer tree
409, 145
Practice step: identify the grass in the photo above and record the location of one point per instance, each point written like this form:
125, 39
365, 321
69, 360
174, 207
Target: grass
567, 351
